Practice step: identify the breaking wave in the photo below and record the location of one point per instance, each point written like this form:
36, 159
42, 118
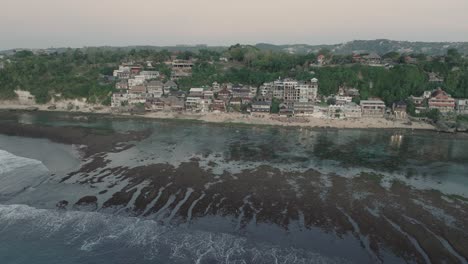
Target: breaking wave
18, 173
102, 238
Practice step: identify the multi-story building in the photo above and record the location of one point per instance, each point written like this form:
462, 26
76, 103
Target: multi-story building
122, 73
122, 85
135, 81
291, 90
181, 69
442, 101
372, 108
197, 104
341, 100
240, 92
170, 85
208, 94
352, 110
155, 88
218, 105
148, 75
196, 92
119, 99
303, 108
192, 103
461, 106
261, 106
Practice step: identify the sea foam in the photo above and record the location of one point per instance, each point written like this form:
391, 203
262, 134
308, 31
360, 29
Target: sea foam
91, 233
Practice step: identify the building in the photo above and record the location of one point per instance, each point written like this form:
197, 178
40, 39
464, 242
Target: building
192, 103
135, 81
303, 108
236, 102
294, 91
119, 99
240, 92
170, 85
442, 101
224, 94
208, 94
348, 91
216, 87
196, 92
218, 105
399, 110
372, 108
122, 85
155, 88
197, 104
154, 104
435, 78
342, 100
461, 106
177, 74
122, 73
148, 75
138, 89
181, 69
335, 111
173, 103
182, 65
261, 106
135, 70
266, 90
351, 111
372, 59
286, 110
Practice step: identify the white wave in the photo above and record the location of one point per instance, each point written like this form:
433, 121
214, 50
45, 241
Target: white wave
89, 231
18, 173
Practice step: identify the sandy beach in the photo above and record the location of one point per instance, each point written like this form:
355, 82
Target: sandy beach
257, 119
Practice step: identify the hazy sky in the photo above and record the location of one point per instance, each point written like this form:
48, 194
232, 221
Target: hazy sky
78, 23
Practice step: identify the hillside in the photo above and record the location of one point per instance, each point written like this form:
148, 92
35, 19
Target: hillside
379, 46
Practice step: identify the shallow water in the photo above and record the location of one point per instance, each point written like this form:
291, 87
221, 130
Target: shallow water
231, 193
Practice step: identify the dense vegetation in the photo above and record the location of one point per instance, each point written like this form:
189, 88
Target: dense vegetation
80, 73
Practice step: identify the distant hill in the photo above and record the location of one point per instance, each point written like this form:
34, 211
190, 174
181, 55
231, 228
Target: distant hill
379, 46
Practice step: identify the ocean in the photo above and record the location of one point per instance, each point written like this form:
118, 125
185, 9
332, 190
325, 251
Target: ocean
93, 189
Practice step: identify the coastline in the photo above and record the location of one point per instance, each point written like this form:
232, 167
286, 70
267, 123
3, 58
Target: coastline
239, 118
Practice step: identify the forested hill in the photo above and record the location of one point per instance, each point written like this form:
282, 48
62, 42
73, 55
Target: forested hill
379, 46
78, 73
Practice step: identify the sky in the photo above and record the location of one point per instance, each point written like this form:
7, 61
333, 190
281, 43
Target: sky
79, 23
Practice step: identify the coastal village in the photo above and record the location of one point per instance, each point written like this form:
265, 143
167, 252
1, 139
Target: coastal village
140, 89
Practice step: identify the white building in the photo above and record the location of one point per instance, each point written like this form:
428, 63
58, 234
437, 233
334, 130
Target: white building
119, 99
373, 108
155, 88
352, 110
461, 106
148, 75
197, 104
122, 73
341, 100
196, 92
136, 81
